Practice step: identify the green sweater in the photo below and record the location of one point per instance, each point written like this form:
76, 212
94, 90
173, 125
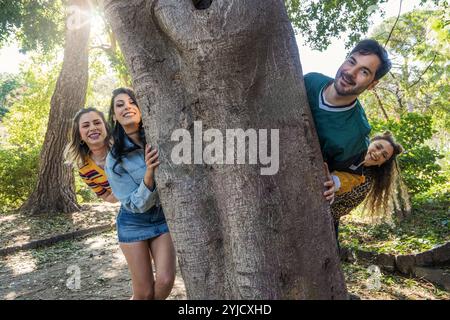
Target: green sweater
343, 130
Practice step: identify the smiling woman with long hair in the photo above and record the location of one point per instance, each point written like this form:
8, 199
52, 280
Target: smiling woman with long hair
141, 225
380, 171
89, 143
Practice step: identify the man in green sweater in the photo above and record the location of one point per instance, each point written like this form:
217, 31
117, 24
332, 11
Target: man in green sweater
340, 120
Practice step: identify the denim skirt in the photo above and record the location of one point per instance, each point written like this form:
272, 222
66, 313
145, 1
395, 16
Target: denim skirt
132, 227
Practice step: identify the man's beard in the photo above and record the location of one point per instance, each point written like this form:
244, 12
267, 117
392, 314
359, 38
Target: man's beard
352, 92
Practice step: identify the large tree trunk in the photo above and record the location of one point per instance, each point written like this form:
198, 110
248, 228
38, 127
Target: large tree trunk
55, 189
238, 234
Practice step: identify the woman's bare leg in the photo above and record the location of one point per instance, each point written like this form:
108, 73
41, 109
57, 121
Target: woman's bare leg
140, 265
163, 253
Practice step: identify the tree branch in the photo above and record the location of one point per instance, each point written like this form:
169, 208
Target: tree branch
103, 47
387, 89
396, 93
395, 23
380, 104
423, 73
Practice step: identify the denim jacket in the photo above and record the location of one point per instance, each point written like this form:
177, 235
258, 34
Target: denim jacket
127, 181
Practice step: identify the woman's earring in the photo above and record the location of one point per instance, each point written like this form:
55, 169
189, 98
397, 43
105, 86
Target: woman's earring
82, 143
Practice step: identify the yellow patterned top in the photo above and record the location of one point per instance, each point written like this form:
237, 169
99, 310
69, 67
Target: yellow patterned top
95, 177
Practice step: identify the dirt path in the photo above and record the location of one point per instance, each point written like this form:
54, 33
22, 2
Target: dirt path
18, 228
50, 273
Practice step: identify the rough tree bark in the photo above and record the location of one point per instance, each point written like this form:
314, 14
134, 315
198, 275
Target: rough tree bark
55, 189
238, 234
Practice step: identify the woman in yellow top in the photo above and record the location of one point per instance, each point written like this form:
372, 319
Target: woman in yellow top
382, 151
375, 185
89, 144
380, 157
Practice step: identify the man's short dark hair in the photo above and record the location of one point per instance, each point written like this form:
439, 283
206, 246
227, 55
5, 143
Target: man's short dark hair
369, 46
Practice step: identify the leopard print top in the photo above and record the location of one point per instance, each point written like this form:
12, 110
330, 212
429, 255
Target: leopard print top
346, 202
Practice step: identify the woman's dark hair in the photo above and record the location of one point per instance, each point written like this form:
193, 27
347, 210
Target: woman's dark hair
119, 150
76, 150
384, 176
370, 46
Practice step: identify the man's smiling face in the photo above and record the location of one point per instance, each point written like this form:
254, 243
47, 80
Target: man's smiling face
356, 74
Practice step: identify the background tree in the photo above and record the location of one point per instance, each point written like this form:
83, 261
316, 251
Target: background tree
418, 164
8, 83
24, 131
55, 191
111, 49
419, 78
319, 21
322, 20
412, 100
24, 125
238, 234
38, 25
416, 92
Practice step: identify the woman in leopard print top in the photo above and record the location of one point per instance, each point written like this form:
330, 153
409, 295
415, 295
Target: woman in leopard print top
380, 170
343, 204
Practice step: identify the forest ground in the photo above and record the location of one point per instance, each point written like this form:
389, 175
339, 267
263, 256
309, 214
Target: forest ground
49, 272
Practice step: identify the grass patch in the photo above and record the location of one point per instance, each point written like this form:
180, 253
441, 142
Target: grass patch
427, 226
367, 284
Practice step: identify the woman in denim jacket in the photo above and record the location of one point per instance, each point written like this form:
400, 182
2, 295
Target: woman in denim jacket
141, 225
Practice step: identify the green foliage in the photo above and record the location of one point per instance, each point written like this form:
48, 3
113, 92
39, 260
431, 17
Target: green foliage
18, 173
427, 227
358, 277
113, 53
8, 83
420, 170
84, 193
418, 164
117, 61
102, 81
419, 80
10, 16
436, 198
25, 124
318, 21
36, 24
